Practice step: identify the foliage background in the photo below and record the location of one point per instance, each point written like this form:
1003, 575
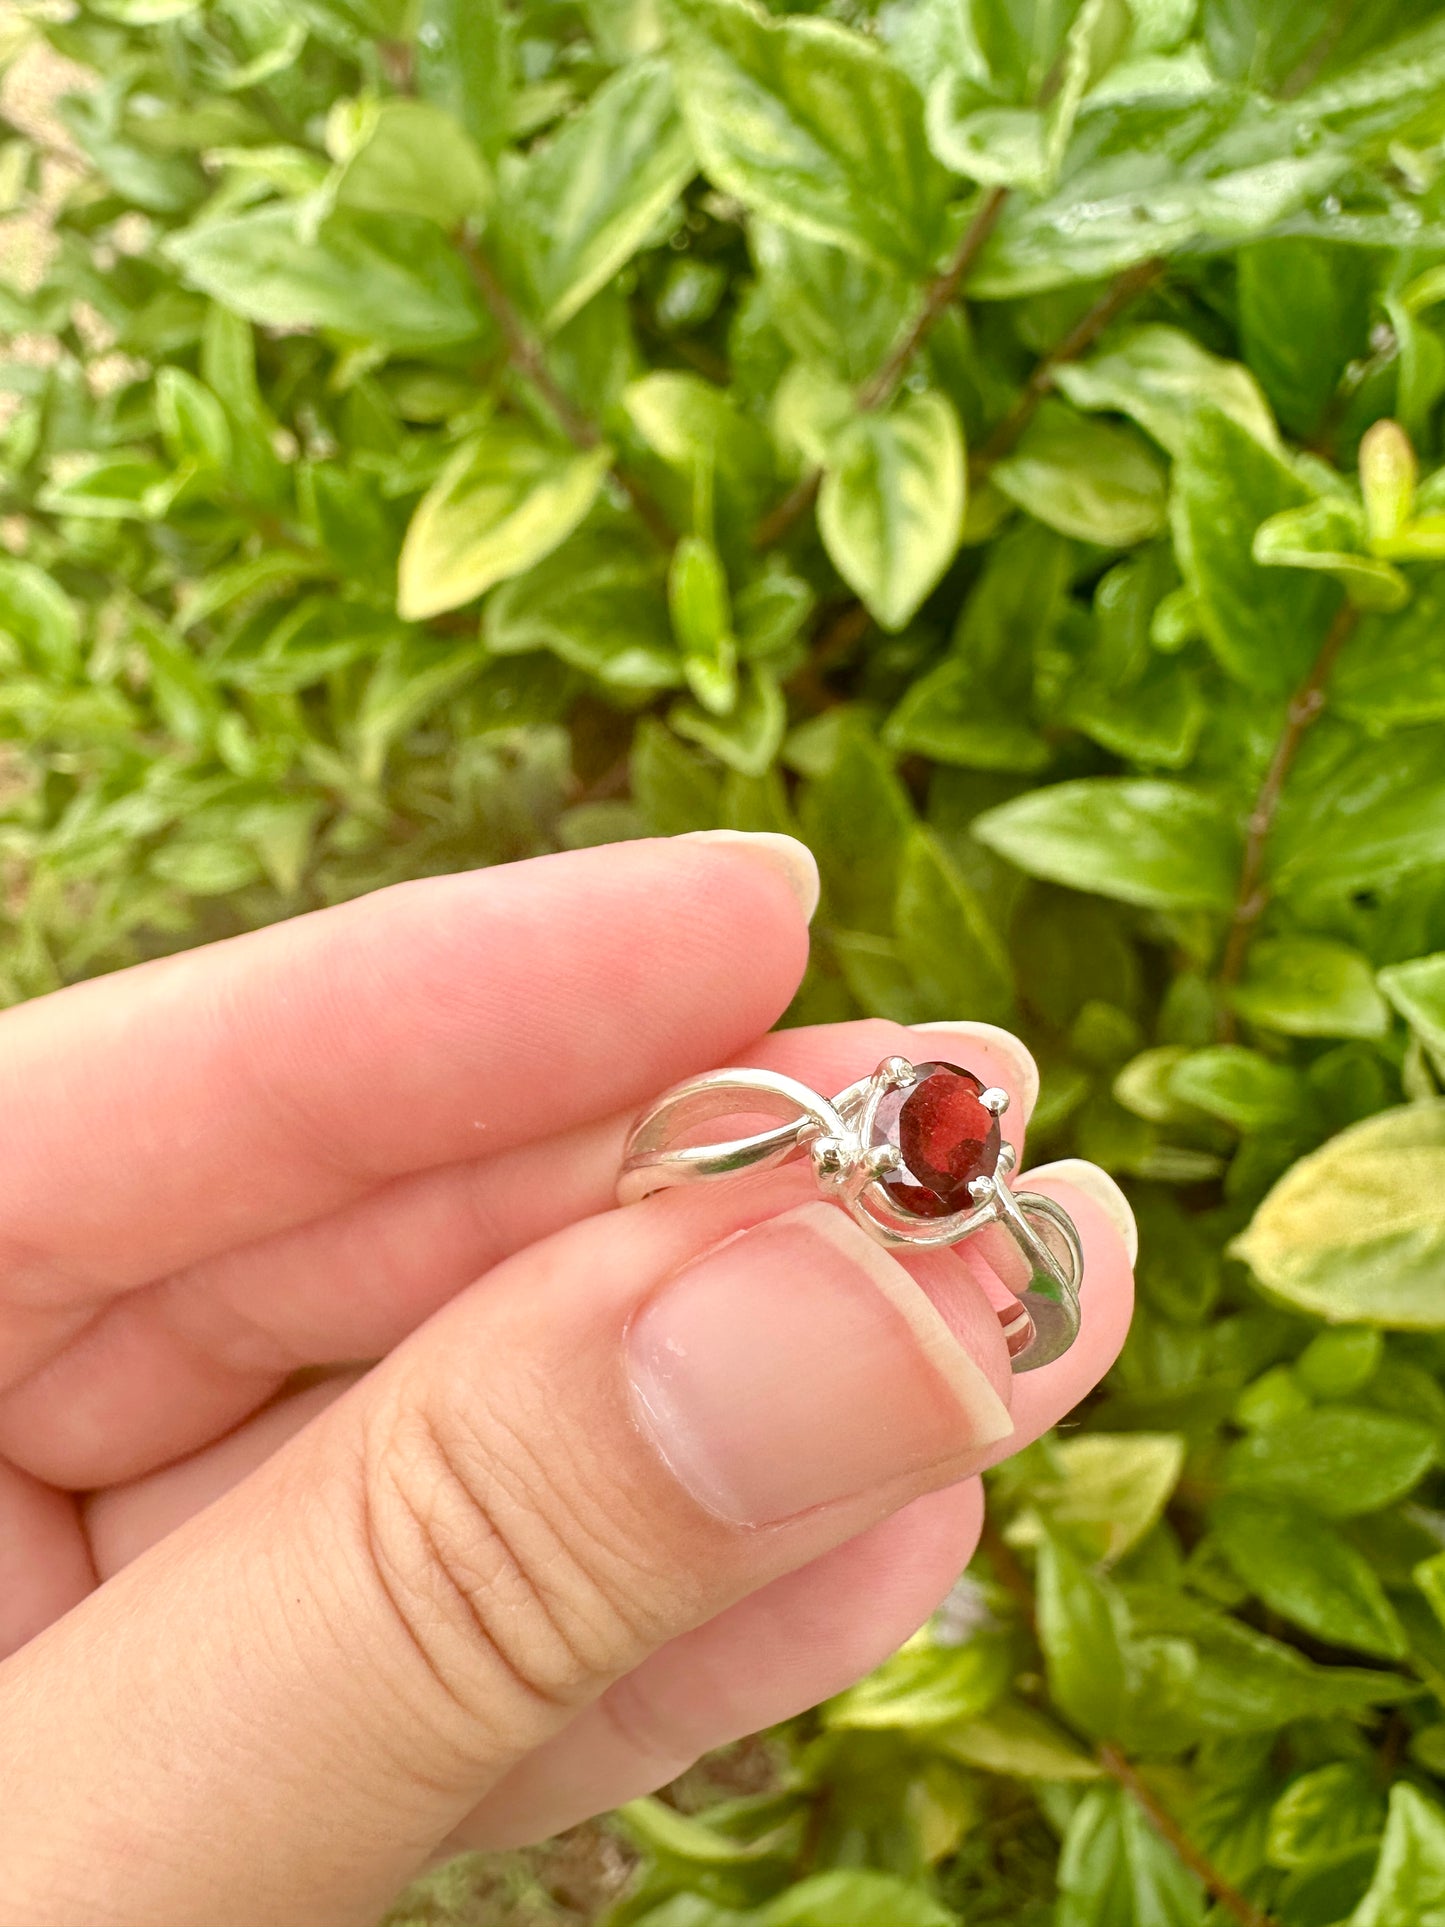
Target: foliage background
999, 438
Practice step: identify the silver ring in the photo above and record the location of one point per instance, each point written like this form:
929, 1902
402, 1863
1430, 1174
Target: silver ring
915, 1152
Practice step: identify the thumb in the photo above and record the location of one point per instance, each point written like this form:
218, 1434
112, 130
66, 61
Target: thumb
277, 1713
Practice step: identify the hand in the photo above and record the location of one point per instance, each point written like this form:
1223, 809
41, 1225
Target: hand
622, 1486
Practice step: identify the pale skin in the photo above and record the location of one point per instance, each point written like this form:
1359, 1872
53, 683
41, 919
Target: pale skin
579, 1492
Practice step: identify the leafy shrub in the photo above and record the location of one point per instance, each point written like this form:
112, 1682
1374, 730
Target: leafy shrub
990, 436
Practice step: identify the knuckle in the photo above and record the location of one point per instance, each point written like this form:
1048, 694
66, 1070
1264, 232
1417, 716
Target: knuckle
505, 1595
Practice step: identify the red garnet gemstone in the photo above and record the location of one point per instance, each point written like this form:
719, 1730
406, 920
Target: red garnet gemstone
945, 1135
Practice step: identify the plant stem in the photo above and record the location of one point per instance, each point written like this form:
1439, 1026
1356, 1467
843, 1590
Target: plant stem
941, 292
1317, 54
1252, 895
940, 295
1127, 287
1126, 1774
794, 505
1007, 1570
1115, 1762
524, 352
1124, 289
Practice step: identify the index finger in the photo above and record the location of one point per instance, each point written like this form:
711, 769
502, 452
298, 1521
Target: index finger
207, 1099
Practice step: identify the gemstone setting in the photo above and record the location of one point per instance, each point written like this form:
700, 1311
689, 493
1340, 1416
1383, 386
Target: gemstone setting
946, 1138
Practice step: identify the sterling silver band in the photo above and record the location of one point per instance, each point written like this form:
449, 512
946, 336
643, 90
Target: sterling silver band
1042, 1263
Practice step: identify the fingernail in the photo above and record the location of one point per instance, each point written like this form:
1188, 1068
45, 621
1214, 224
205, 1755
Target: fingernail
794, 860
1023, 1078
1097, 1186
798, 1365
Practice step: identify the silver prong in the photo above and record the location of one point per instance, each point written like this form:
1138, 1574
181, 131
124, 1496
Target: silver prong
895, 1074
830, 1160
994, 1100
883, 1160
1008, 1157
981, 1190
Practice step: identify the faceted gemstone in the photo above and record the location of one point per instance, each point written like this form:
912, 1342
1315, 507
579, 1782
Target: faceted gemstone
945, 1136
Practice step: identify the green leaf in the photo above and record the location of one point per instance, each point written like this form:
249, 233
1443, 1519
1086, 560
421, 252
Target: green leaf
1264, 625
892, 501
598, 602
1300, 368
1417, 990
120, 488
975, 707
389, 278
1016, 1739
1307, 1572
1151, 843
1243, 1681
37, 615
503, 501
811, 125
1336, 1460
1408, 1889
848, 1897
832, 307
679, 1836
1240, 1087
463, 65
1353, 1233
699, 429
1161, 377
588, 199
1116, 1870
1395, 87
1151, 175
811, 409
1118, 686
1322, 1814
1392, 670
697, 596
1103, 1492
411, 679
1083, 1629
192, 420
1024, 147
1085, 478
770, 613
944, 937
672, 785
749, 737
1389, 472
924, 1686
1340, 1361
1329, 536
1364, 819
858, 820
1310, 987
406, 157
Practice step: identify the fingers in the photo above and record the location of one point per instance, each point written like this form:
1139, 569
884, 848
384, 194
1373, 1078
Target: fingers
123, 1520
815, 1631
223, 1335
45, 1566
629, 1428
204, 1100
771, 1655
795, 1642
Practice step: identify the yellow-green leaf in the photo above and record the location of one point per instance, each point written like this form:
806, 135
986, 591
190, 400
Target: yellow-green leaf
1354, 1233
504, 501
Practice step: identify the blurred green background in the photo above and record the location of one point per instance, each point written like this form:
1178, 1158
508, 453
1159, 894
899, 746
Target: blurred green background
999, 440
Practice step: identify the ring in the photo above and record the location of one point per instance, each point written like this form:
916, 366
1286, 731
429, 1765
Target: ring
915, 1152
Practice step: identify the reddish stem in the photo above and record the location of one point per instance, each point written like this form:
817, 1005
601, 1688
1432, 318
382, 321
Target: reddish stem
1252, 894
